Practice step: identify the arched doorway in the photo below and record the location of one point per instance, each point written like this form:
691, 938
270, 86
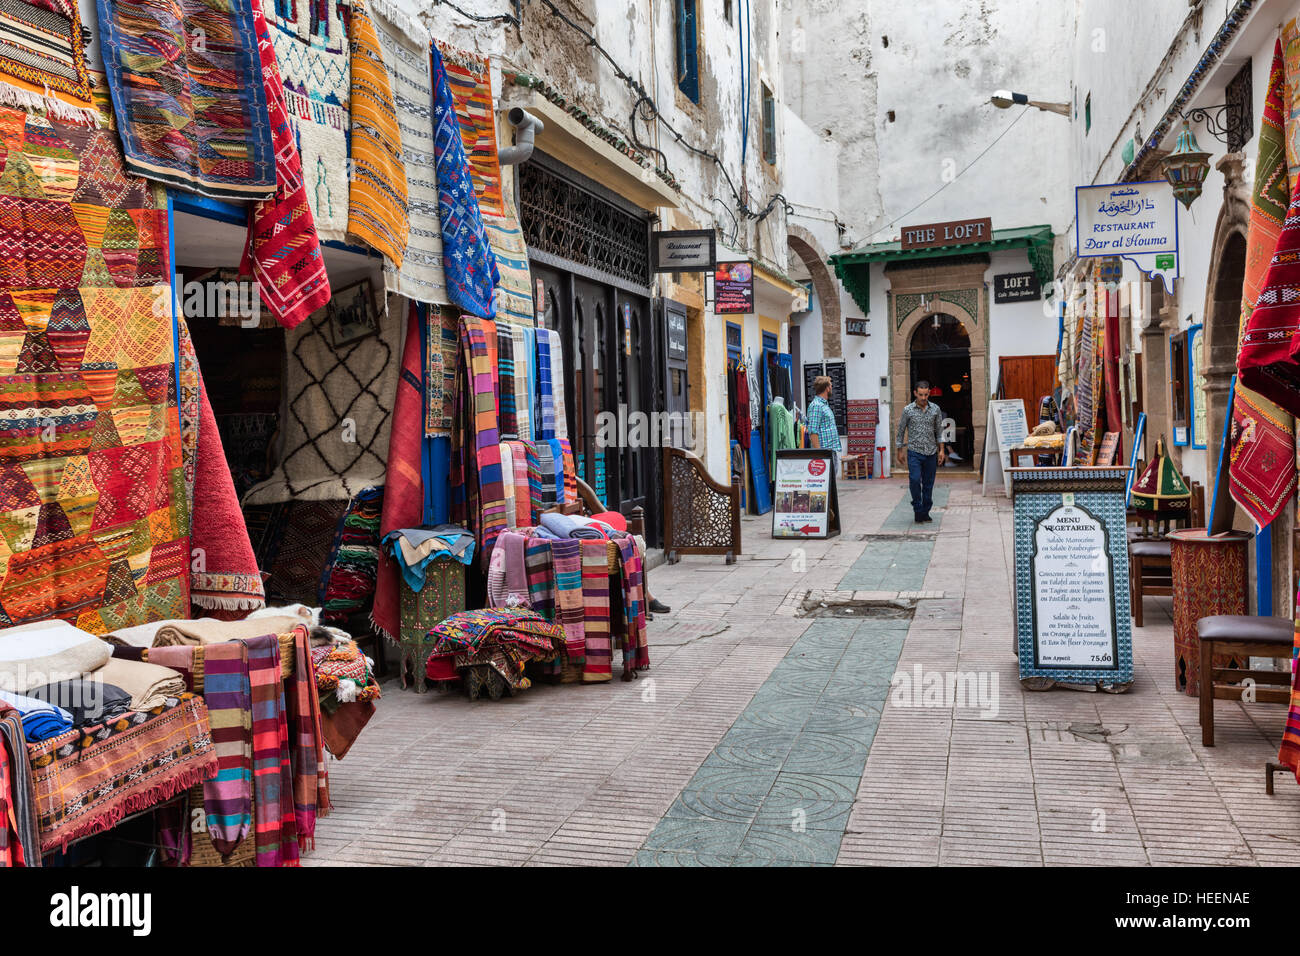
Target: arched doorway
939, 353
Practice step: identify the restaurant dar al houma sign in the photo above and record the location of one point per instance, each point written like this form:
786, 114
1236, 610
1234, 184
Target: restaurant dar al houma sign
1135, 221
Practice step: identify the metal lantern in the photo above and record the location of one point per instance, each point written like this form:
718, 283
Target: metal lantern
1186, 167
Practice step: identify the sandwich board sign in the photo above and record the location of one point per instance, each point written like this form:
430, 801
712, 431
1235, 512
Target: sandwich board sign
1072, 596
805, 499
1007, 429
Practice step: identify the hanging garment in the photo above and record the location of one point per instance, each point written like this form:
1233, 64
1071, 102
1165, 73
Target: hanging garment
523, 402
546, 474
732, 427
595, 599
190, 115
478, 498
636, 647
467, 260
541, 577
227, 798
1114, 414
567, 558
557, 463
781, 430
377, 200
523, 489
274, 819
570, 471
1261, 438
744, 424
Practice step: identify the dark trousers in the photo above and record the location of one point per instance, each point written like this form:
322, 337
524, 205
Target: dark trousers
920, 472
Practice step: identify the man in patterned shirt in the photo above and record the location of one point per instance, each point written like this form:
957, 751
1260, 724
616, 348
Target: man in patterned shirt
821, 420
922, 422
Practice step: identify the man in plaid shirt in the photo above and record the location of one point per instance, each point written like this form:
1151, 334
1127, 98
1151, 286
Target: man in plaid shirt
821, 420
922, 422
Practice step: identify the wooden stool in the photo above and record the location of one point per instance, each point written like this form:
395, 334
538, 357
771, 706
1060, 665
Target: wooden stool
1242, 636
1150, 569
854, 466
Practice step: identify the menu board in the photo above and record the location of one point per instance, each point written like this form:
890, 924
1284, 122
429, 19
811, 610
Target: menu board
1071, 559
805, 502
733, 288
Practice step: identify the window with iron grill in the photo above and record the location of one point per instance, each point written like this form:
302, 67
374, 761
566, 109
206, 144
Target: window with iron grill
686, 25
564, 220
769, 126
1239, 117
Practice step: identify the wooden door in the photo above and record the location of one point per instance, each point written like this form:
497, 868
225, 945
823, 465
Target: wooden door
1028, 377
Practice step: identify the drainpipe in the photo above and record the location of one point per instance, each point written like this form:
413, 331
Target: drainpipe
526, 127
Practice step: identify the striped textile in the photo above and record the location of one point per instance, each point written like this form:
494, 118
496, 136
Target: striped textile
545, 395
534, 410
523, 404
506, 381
541, 579
558, 381
478, 497
566, 556
377, 201
514, 292
595, 599
523, 488
307, 738
227, 798
636, 648
405, 46
508, 484
557, 464
534, 480
283, 251
469, 78
546, 474
570, 471
274, 820
1288, 754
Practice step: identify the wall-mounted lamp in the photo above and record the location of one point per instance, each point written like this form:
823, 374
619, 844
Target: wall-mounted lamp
1186, 167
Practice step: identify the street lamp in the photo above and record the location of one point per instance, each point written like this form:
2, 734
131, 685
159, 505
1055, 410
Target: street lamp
1186, 167
1003, 99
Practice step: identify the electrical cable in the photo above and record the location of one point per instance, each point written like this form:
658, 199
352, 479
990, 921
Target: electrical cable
494, 18
645, 105
949, 182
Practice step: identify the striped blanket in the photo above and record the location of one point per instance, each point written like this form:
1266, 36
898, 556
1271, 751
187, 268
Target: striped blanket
274, 819
478, 496
571, 614
523, 397
596, 623
545, 393
228, 797
506, 380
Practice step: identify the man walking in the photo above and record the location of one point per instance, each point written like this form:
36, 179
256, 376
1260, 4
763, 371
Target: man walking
921, 421
821, 420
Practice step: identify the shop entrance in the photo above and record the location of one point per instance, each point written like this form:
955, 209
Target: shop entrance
939, 353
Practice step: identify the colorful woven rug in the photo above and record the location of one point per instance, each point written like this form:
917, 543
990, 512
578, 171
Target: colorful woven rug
93, 514
227, 797
190, 117
274, 819
1261, 441
404, 493
283, 251
306, 743
405, 45
340, 412
567, 558
88, 779
595, 599
377, 202
523, 397
468, 263
545, 429
43, 60
296, 548
558, 384
506, 381
442, 343
636, 645
311, 50
470, 79
477, 495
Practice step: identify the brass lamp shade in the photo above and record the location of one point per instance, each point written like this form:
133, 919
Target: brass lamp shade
1186, 167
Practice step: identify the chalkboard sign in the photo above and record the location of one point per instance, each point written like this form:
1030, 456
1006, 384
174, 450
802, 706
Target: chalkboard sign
1072, 596
839, 389
805, 495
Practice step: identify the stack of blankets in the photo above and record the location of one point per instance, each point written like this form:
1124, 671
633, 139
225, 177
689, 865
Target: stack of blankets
492, 647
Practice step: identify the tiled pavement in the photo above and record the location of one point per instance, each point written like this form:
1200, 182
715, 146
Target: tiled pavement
763, 736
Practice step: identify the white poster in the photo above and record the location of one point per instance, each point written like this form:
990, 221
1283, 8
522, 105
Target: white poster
1136, 221
801, 497
1074, 616
1007, 428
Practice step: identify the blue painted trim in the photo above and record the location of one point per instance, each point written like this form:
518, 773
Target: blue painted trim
216, 209
1193, 333
349, 247
1221, 470
175, 314
1139, 431
1264, 571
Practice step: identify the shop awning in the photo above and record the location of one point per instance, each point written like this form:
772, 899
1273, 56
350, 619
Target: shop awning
854, 268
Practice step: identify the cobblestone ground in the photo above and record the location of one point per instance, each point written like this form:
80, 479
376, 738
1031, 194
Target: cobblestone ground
763, 736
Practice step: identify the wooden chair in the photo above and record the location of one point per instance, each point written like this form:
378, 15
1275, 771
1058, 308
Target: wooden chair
1243, 636
1150, 565
854, 466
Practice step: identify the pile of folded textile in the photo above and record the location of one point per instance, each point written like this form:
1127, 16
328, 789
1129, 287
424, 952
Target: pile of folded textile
492, 646
343, 674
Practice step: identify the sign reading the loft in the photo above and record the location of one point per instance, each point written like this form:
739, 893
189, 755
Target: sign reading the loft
855, 327
733, 288
676, 335
685, 250
1136, 221
1072, 622
961, 232
1016, 287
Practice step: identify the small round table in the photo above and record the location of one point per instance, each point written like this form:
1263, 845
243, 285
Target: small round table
1209, 577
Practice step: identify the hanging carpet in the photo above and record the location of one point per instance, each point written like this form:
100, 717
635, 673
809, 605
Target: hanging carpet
43, 60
